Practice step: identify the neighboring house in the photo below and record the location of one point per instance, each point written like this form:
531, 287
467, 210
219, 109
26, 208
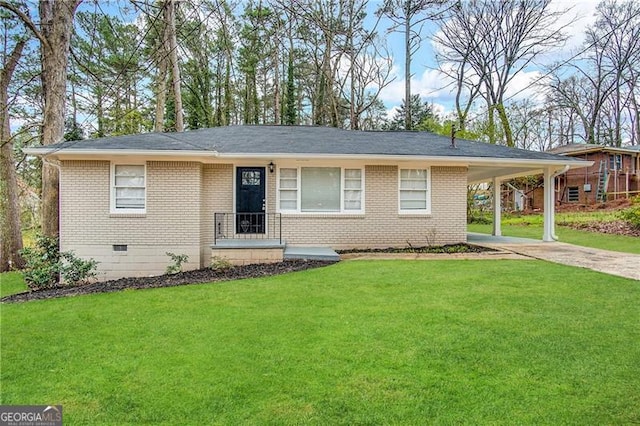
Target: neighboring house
615, 173
246, 192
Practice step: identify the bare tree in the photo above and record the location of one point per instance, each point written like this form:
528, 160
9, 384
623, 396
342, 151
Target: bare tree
492, 41
409, 17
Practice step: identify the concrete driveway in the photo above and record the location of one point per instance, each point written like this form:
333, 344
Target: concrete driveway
610, 262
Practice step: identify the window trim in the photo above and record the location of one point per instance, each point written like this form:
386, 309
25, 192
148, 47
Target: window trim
615, 160
425, 211
112, 208
341, 212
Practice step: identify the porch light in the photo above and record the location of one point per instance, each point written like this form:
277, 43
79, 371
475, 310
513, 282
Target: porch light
271, 167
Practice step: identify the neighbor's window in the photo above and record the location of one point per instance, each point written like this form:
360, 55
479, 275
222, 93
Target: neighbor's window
615, 162
414, 191
321, 189
128, 188
573, 194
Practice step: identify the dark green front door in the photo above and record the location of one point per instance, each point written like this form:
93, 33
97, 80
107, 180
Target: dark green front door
250, 200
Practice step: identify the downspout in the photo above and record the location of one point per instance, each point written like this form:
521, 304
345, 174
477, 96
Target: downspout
554, 176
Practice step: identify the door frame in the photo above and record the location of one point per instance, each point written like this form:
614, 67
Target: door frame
235, 194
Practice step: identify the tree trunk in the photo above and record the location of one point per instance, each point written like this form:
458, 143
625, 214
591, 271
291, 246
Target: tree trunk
175, 66
506, 127
10, 229
161, 85
56, 17
407, 68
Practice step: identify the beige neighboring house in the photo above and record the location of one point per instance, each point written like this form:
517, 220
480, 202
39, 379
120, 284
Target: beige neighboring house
264, 193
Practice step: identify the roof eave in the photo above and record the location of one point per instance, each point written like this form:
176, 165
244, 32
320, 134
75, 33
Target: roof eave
46, 152
449, 160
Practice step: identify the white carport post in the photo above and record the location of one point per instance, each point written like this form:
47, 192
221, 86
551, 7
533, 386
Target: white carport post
549, 205
497, 208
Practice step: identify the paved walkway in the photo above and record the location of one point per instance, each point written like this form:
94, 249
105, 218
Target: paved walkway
610, 262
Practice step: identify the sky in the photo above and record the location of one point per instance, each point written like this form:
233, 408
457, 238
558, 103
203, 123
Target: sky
431, 84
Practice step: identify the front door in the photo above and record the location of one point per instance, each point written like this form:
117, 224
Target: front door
250, 200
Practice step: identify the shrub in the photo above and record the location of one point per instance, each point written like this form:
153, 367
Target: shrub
632, 216
479, 217
220, 263
177, 261
46, 265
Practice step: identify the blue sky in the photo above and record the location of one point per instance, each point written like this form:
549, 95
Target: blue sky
431, 84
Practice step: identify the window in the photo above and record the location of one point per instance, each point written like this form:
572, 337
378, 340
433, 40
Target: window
288, 189
414, 191
353, 189
573, 194
250, 177
615, 162
128, 193
321, 189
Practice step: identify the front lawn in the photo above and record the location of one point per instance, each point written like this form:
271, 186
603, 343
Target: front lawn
531, 226
359, 342
11, 283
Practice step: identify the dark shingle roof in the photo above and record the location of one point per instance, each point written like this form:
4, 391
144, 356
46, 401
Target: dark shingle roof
304, 140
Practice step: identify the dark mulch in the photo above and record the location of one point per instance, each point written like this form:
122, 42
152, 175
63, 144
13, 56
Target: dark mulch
447, 249
189, 277
617, 227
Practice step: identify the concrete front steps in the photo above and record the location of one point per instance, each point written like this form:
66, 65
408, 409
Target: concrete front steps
246, 251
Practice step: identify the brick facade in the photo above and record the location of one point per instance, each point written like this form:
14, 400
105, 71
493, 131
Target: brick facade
182, 197
624, 178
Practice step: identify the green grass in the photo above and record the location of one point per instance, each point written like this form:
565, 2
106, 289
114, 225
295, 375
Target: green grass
359, 342
621, 243
11, 283
531, 225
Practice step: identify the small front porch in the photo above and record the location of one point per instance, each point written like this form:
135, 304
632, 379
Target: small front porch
247, 251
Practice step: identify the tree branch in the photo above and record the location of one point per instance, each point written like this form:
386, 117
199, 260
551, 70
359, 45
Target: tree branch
26, 20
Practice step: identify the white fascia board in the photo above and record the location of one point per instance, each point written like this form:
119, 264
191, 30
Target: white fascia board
461, 161
93, 153
449, 161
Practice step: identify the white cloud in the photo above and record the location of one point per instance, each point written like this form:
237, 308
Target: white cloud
431, 84
579, 17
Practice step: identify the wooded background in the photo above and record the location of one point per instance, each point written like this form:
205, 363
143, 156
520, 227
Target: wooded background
73, 70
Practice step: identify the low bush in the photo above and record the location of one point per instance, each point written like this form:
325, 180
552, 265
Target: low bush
219, 263
632, 215
479, 217
46, 266
177, 260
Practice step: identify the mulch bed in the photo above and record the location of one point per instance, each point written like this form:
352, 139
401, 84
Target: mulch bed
447, 249
618, 227
209, 275
199, 276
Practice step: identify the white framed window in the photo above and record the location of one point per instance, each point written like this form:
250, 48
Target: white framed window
128, 188
414, 191
288, 189
321, 190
